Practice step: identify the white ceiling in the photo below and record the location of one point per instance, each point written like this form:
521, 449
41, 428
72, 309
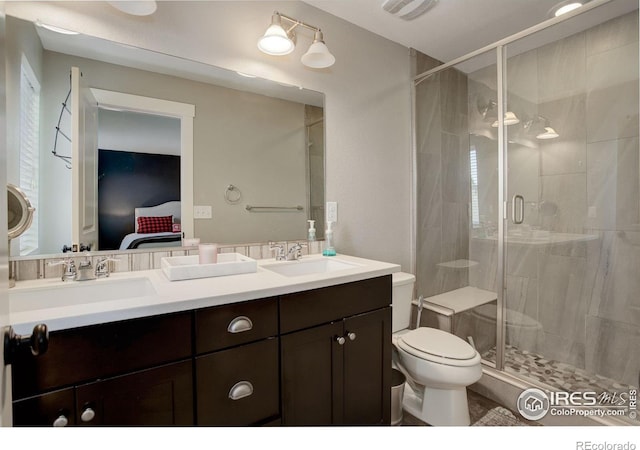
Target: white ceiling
450, 29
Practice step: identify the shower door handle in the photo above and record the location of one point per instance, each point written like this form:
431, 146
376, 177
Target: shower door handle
517, 209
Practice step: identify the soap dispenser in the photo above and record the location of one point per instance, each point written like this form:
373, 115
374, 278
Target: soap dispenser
311, 236
329, 250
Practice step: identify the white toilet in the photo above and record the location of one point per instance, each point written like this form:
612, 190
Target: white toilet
439, 365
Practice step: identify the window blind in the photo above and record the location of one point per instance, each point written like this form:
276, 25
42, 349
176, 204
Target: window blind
29, 150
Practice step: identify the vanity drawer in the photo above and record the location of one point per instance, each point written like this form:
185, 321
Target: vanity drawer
309, 308
88, 353
235, 324
238, 386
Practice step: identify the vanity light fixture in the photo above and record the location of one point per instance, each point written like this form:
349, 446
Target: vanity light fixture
548, 133
510, 118
488, 112
541, 127
278, 41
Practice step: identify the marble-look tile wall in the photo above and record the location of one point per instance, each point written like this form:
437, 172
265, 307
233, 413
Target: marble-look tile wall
442, 179
587, 302
134, 260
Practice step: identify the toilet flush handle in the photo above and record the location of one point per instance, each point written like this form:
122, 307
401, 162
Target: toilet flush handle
420, 306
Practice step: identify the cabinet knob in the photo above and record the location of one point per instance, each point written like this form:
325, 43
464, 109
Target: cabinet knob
352, 336
340, 340
61, 421
87, 415
240, 390
240, 324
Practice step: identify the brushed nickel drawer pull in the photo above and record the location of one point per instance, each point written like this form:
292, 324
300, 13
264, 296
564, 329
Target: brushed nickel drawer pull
240, 390
240, 324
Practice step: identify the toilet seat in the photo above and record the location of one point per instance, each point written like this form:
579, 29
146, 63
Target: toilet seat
438, 346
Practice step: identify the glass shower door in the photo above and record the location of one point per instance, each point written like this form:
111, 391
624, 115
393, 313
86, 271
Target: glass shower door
572, 241
457, 198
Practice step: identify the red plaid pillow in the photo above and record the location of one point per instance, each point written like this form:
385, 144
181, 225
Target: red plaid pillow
155, 224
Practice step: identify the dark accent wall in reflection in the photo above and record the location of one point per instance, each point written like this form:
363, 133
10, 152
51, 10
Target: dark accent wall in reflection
128, 180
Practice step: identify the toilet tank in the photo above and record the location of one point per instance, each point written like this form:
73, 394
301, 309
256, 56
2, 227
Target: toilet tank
402, 295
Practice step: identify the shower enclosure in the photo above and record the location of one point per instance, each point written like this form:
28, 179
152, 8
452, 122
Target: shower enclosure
528, 200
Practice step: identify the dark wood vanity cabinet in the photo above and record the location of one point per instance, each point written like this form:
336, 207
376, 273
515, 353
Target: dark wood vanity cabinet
162, 396
316, 357
337, 373
237, 364
134, 372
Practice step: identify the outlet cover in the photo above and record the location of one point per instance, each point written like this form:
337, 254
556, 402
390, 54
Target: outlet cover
202, 212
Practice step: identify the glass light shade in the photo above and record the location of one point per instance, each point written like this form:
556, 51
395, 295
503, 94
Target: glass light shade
275, 40
318, 56
509, 119
549, 133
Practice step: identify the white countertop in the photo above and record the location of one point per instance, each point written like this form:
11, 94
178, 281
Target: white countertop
174, 296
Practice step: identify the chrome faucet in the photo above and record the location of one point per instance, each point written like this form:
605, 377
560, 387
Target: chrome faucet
85, 270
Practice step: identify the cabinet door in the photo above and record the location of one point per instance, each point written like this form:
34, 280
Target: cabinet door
312, 376
367, 368
52, 409
160, 396
239, 386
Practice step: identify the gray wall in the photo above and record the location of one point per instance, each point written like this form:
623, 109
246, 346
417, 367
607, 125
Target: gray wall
442, 162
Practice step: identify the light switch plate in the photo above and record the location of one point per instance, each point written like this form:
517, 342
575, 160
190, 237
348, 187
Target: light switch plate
332, 212
202, 212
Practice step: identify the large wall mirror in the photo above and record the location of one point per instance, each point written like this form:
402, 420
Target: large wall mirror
254, 148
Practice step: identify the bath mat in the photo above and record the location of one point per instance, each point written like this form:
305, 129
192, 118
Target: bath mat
498, 417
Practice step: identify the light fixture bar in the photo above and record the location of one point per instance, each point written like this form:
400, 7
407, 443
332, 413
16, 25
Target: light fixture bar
296, 23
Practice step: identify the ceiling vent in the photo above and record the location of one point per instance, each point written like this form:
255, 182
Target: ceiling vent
408, 9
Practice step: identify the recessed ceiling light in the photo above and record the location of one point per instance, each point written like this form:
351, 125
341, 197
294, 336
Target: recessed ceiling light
135, 7
565, 7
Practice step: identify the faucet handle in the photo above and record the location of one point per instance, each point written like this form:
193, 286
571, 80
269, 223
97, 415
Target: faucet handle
70, 271
102, 266
279, 249
295, 252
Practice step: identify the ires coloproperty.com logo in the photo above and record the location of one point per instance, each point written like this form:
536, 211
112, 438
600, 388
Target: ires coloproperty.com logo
534, 404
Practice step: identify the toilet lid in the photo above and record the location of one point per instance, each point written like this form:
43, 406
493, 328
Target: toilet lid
438, 343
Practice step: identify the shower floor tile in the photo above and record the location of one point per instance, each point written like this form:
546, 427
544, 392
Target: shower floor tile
555, 374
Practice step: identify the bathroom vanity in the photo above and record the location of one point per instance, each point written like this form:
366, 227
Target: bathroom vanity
251, 349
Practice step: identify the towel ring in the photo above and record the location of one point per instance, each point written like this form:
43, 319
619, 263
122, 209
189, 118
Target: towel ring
232, 194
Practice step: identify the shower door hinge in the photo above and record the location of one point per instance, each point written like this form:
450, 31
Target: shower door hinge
505, 209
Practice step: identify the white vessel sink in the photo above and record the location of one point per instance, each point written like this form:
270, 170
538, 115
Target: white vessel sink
308, 266
72, 293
